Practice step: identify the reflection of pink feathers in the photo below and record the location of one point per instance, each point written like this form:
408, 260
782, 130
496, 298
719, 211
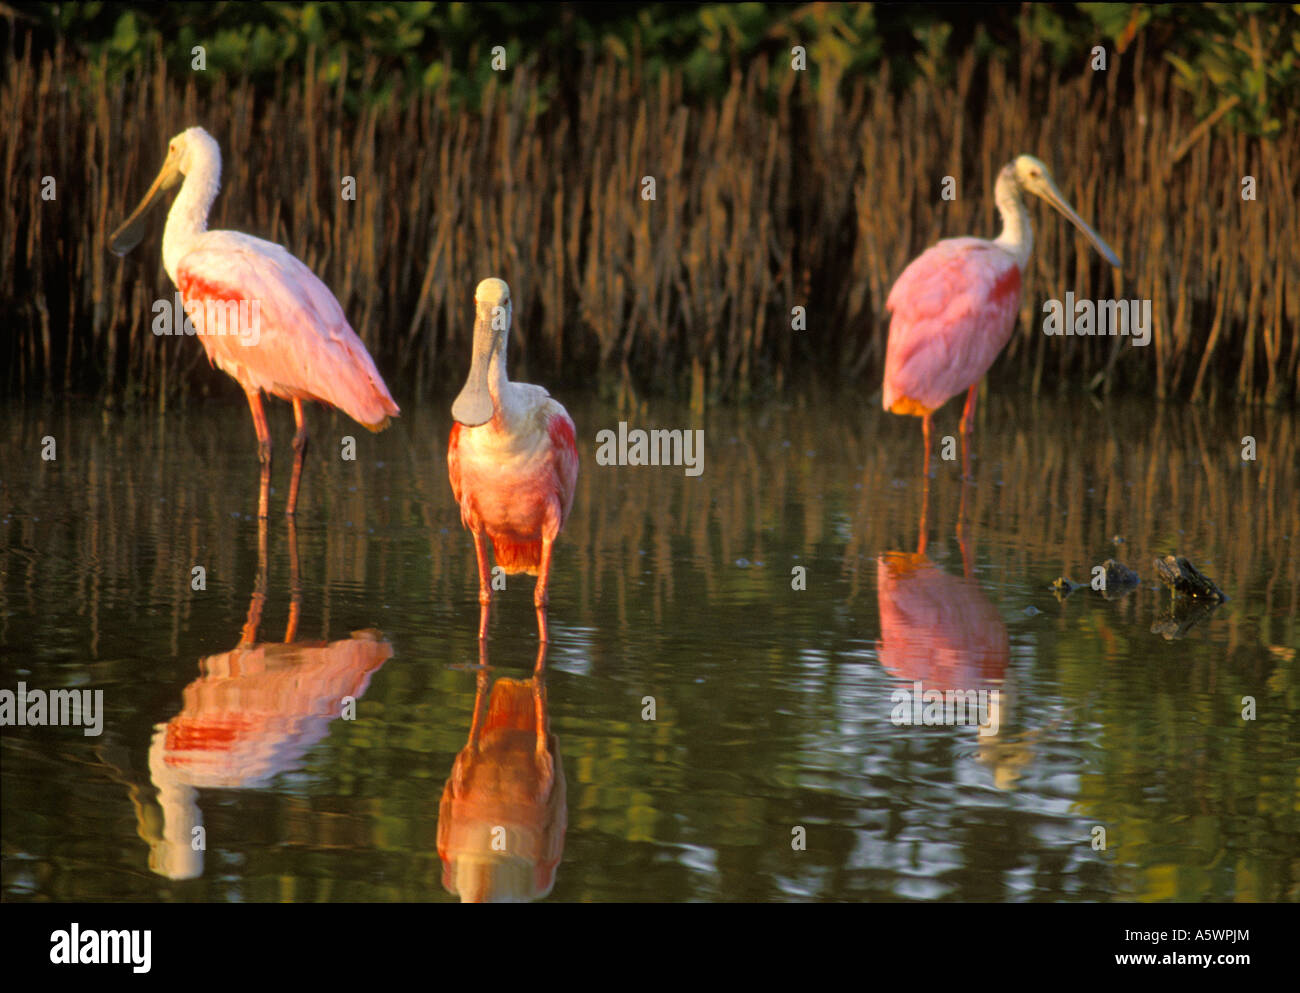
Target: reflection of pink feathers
953, 312
937, 628
255, 710
303, 347
511, 778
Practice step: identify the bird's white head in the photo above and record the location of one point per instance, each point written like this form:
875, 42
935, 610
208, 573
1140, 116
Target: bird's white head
192, 152
493, 295
1032, 176
193, 148
492, 314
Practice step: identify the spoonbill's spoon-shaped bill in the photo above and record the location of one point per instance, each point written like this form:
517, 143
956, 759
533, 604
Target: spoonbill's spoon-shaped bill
492, 313
1035, 178
132, 230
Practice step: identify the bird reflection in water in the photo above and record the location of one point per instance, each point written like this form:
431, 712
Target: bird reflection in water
941, 630
504, 811
252, 713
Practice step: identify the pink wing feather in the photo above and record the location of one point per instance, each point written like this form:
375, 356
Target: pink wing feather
304, 347
953, 312
564, 454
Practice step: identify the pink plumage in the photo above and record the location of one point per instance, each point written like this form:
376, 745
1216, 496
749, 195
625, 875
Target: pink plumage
512, 459
263, 317
518, 500
954, 307
953, 310
303, 348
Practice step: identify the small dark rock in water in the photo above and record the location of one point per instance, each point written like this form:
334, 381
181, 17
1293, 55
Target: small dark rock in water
1063, 587
1118, 575
1182, 577
1118, 580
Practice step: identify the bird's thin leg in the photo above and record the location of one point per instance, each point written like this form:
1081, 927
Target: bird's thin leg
481, 685
925, 509
255, 605
299, 450
295, 585
545, 763
968, 414
925, 430
539, 667
961, 533
484, 589
539, 706
263, 450
543, 630
967, 426
540, 594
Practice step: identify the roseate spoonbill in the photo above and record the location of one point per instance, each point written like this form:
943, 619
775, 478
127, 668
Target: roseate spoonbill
262, 316
955, 306
512, 459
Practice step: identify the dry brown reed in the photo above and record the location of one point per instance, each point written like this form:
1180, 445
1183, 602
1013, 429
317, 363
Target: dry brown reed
774, 196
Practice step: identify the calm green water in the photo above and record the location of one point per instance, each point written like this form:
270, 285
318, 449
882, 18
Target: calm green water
772, 704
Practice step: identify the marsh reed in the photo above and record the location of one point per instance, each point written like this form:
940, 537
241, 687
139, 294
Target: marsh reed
774, 196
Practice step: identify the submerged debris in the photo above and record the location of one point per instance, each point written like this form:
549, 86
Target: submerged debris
1184, 578
1062, 587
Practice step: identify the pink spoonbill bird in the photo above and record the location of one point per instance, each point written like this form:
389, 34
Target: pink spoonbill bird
262, 316
955, 306
512, 459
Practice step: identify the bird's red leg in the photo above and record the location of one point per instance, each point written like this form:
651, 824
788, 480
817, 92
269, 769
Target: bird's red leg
925, 509
481, 685
484, 588
249, 634
967, 426
295, 586
925, 430
263, 450
299, 450
544, 761
968, 415
539, 667
540, 595
539, 701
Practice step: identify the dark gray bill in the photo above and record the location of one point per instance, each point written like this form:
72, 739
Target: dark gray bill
128, 235
1052, 195
474, 404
